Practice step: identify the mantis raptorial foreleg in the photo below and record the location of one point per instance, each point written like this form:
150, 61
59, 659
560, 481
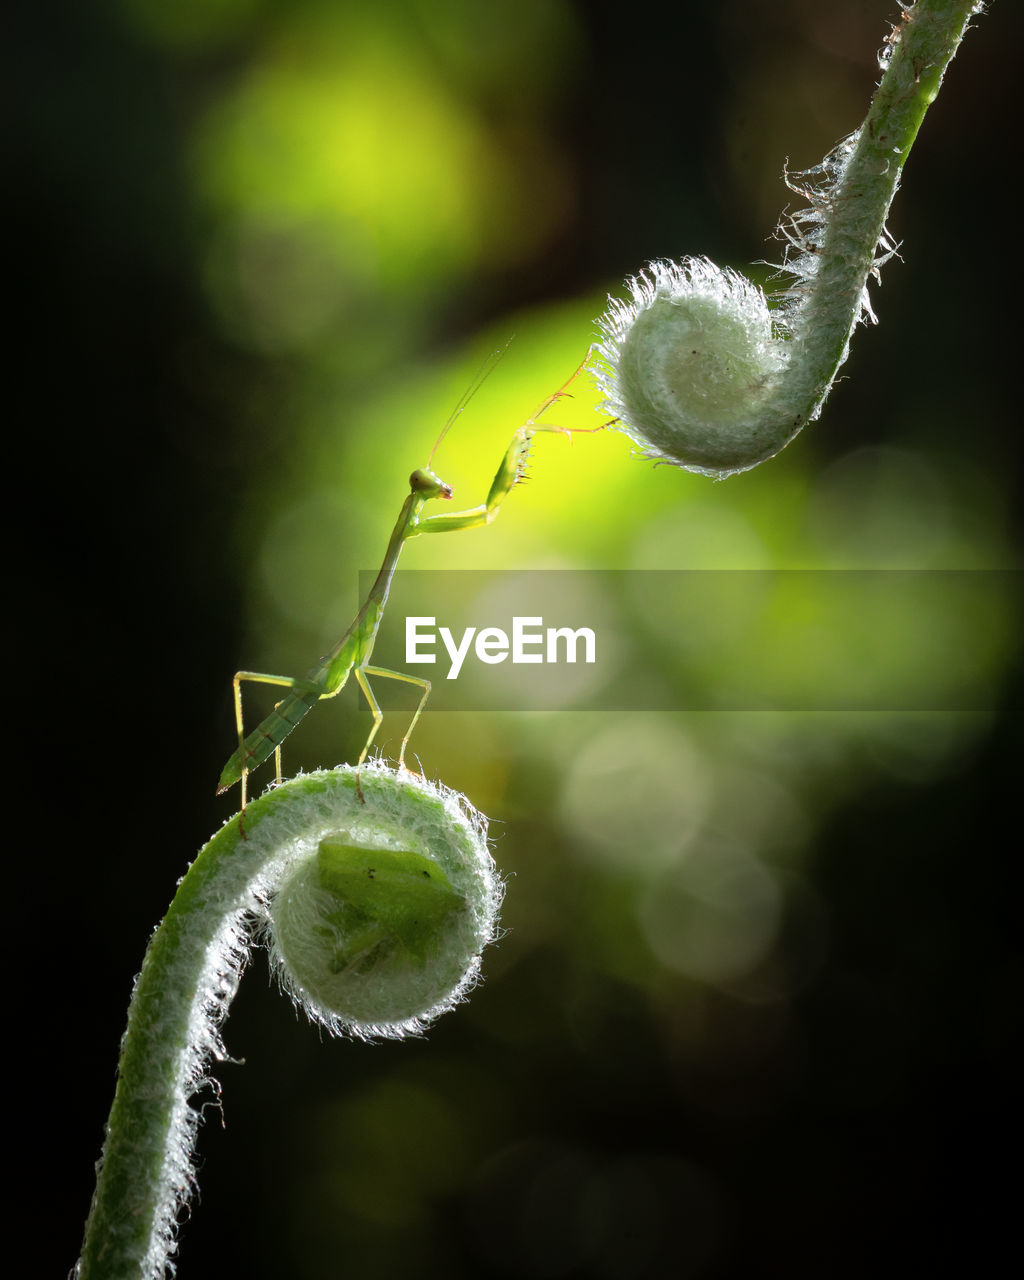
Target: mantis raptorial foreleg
508, 475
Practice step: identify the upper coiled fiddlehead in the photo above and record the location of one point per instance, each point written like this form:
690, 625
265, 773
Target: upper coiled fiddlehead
696, 368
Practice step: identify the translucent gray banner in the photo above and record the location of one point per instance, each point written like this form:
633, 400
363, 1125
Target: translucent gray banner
729, 640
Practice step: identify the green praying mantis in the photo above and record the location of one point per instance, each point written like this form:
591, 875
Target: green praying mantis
351, 655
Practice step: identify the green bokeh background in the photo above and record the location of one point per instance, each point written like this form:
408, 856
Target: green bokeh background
752, 1012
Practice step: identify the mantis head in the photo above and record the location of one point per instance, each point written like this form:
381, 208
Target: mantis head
425, 484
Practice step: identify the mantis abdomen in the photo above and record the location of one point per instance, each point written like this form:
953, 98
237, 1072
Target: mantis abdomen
264, 740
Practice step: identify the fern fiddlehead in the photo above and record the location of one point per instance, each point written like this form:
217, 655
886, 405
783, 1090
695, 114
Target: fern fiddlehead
376, 914
696, 367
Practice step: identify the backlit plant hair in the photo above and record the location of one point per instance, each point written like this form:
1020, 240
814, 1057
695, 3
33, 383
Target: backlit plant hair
375, 913
696, 367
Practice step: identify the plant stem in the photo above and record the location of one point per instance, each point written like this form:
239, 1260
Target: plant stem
854, 211
189, 975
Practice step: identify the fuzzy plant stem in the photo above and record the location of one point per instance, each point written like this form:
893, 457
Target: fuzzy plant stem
696, 368
362, 968
870, 162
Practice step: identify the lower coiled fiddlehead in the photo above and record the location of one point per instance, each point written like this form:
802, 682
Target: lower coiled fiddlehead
376, 912
696, 367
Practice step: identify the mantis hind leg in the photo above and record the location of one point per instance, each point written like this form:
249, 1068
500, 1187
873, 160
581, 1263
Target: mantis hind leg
364, 684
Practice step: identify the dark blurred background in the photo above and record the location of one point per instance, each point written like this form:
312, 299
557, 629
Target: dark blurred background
753, 1012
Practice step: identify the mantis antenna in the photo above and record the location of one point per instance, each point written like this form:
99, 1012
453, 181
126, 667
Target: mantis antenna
479, 378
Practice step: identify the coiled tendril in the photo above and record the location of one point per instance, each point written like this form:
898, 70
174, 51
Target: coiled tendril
376, 914
696, 367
